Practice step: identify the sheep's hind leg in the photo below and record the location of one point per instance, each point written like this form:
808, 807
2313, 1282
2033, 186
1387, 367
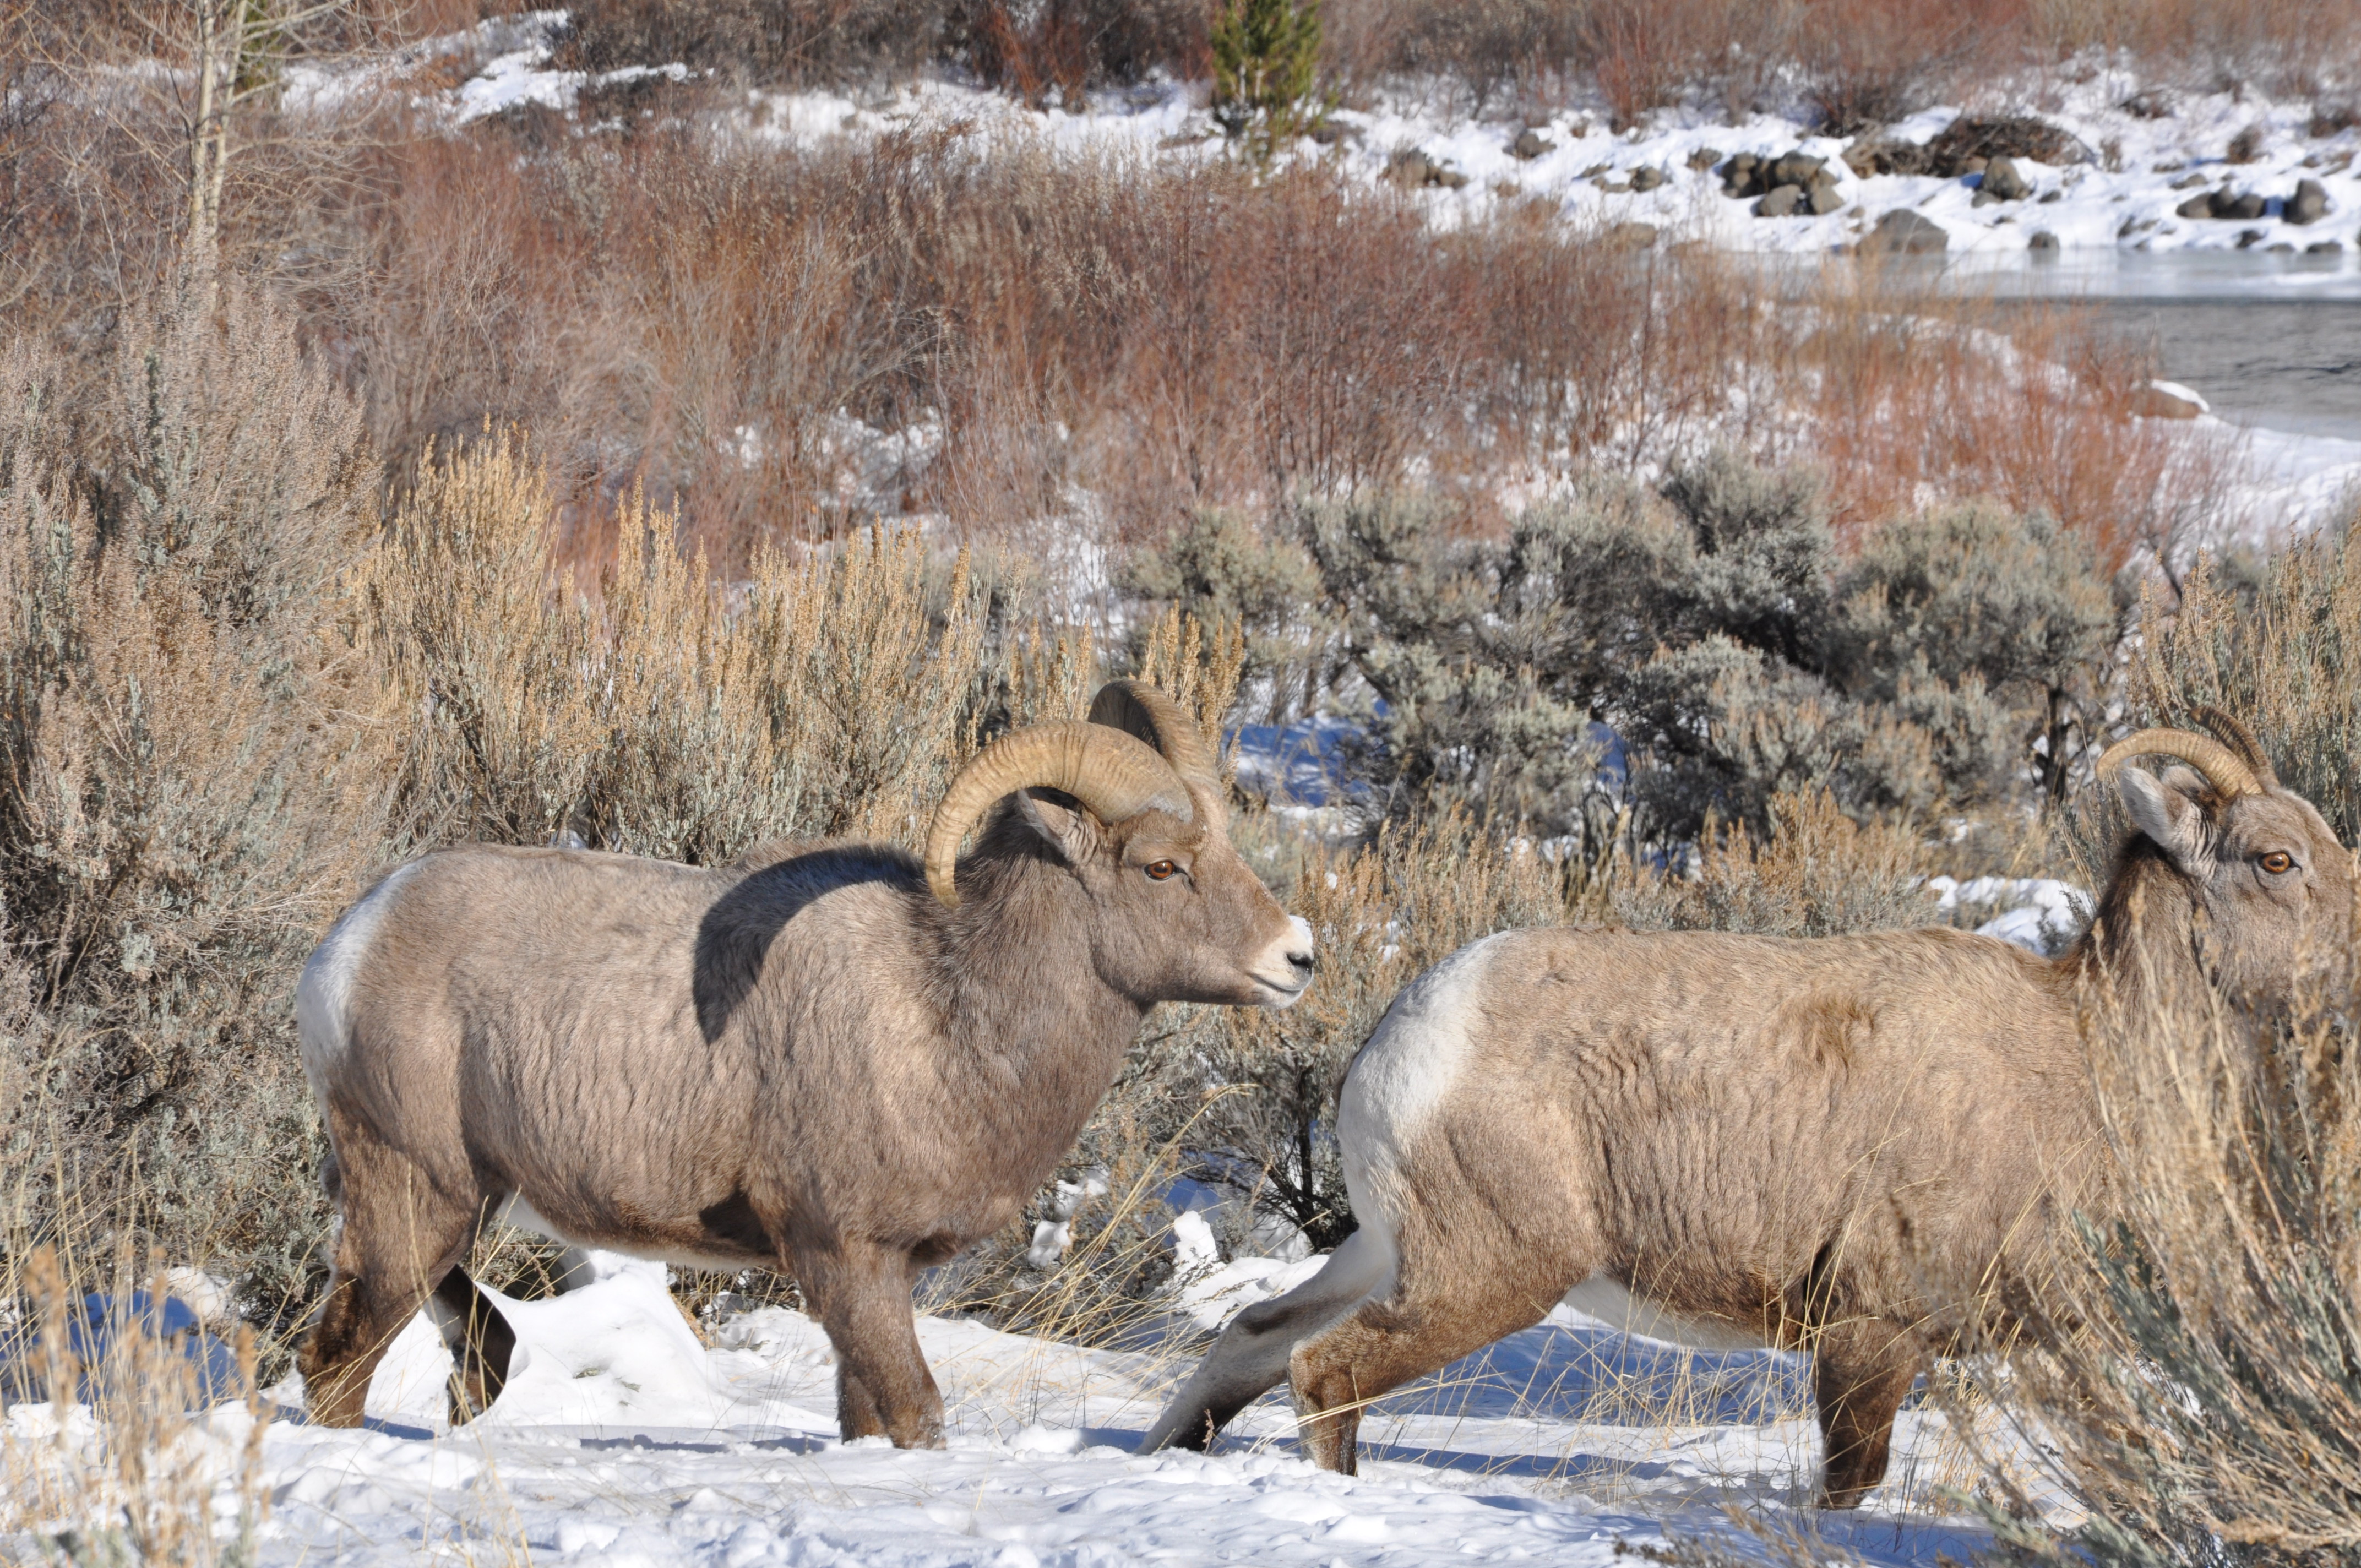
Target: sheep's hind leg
1436, 1315
862, 1297
481, 1343
1862, 1371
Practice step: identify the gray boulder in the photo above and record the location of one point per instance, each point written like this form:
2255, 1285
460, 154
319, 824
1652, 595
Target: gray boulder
2042, 241
2246, 208
1530, 143
1781, 202
2005, 182
1410, 167
2310, 202
1630, 237
1902, 232
2198, 206
1647, 178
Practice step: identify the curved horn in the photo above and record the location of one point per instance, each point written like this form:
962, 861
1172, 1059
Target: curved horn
2242, 740
2221, 767
1115, 774
1137, 708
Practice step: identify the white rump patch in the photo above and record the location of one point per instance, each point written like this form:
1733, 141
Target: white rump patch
1417, 1051
323, 1000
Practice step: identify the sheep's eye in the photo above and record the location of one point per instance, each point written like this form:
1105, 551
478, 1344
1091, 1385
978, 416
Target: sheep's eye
2279, 862
1158, 871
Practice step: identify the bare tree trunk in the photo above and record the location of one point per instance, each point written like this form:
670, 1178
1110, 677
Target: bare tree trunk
218, 32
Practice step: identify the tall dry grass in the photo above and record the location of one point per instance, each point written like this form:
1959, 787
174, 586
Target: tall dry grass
2279, 643
652, 711
2191, 1374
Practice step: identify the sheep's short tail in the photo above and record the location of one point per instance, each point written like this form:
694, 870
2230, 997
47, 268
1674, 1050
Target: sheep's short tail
1250, 1358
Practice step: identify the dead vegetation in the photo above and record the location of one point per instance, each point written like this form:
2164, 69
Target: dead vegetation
520, 489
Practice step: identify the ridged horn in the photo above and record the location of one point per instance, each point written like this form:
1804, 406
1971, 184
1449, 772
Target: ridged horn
2231, 728
1114, 774
1137, 708
2222, 767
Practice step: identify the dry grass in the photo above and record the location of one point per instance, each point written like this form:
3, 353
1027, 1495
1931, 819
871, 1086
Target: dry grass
2194, 1375
2277, 643
122, 1473
654, 710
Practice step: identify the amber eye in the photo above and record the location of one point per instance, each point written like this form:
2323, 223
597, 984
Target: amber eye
2279, 862
1158, 871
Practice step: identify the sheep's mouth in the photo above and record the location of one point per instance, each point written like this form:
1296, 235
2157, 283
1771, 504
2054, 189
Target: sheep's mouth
1281, 992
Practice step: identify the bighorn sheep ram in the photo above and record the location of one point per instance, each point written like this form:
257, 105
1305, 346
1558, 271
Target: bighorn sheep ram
830, 1058
1787, 1140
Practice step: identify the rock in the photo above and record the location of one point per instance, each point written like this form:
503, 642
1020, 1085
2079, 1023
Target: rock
1906, 233
2189, 181
1967, 145
2310, 202
2282, 248
1952, 150
1411, 169
2167, 400
2246, 208
2154, 103
1822, 198
2324, 248
1704, 157
1449, 179
2052, 194
1748, 174
1647, 178
1629, 237
2247, 147
1614, 187
2249, 238
1885, 156
2198, 206
2042, 241
2003, 180
1530, 143
1328, 133
1781, 202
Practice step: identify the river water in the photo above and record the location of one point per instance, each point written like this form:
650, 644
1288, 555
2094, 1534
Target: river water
2272, 342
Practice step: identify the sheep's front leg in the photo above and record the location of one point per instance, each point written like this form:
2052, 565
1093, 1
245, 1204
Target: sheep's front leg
1861, 1372
862, 1295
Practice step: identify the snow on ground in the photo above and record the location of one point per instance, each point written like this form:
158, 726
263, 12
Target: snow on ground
2129, 174
623, 1440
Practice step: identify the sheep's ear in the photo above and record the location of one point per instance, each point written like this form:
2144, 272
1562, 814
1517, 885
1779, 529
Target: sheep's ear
2166, 817
1072, 833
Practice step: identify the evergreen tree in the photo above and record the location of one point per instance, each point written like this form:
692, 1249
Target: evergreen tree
1266, 61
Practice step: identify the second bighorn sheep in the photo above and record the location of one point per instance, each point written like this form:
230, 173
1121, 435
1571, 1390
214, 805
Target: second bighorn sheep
832, 1060
1786, 1138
